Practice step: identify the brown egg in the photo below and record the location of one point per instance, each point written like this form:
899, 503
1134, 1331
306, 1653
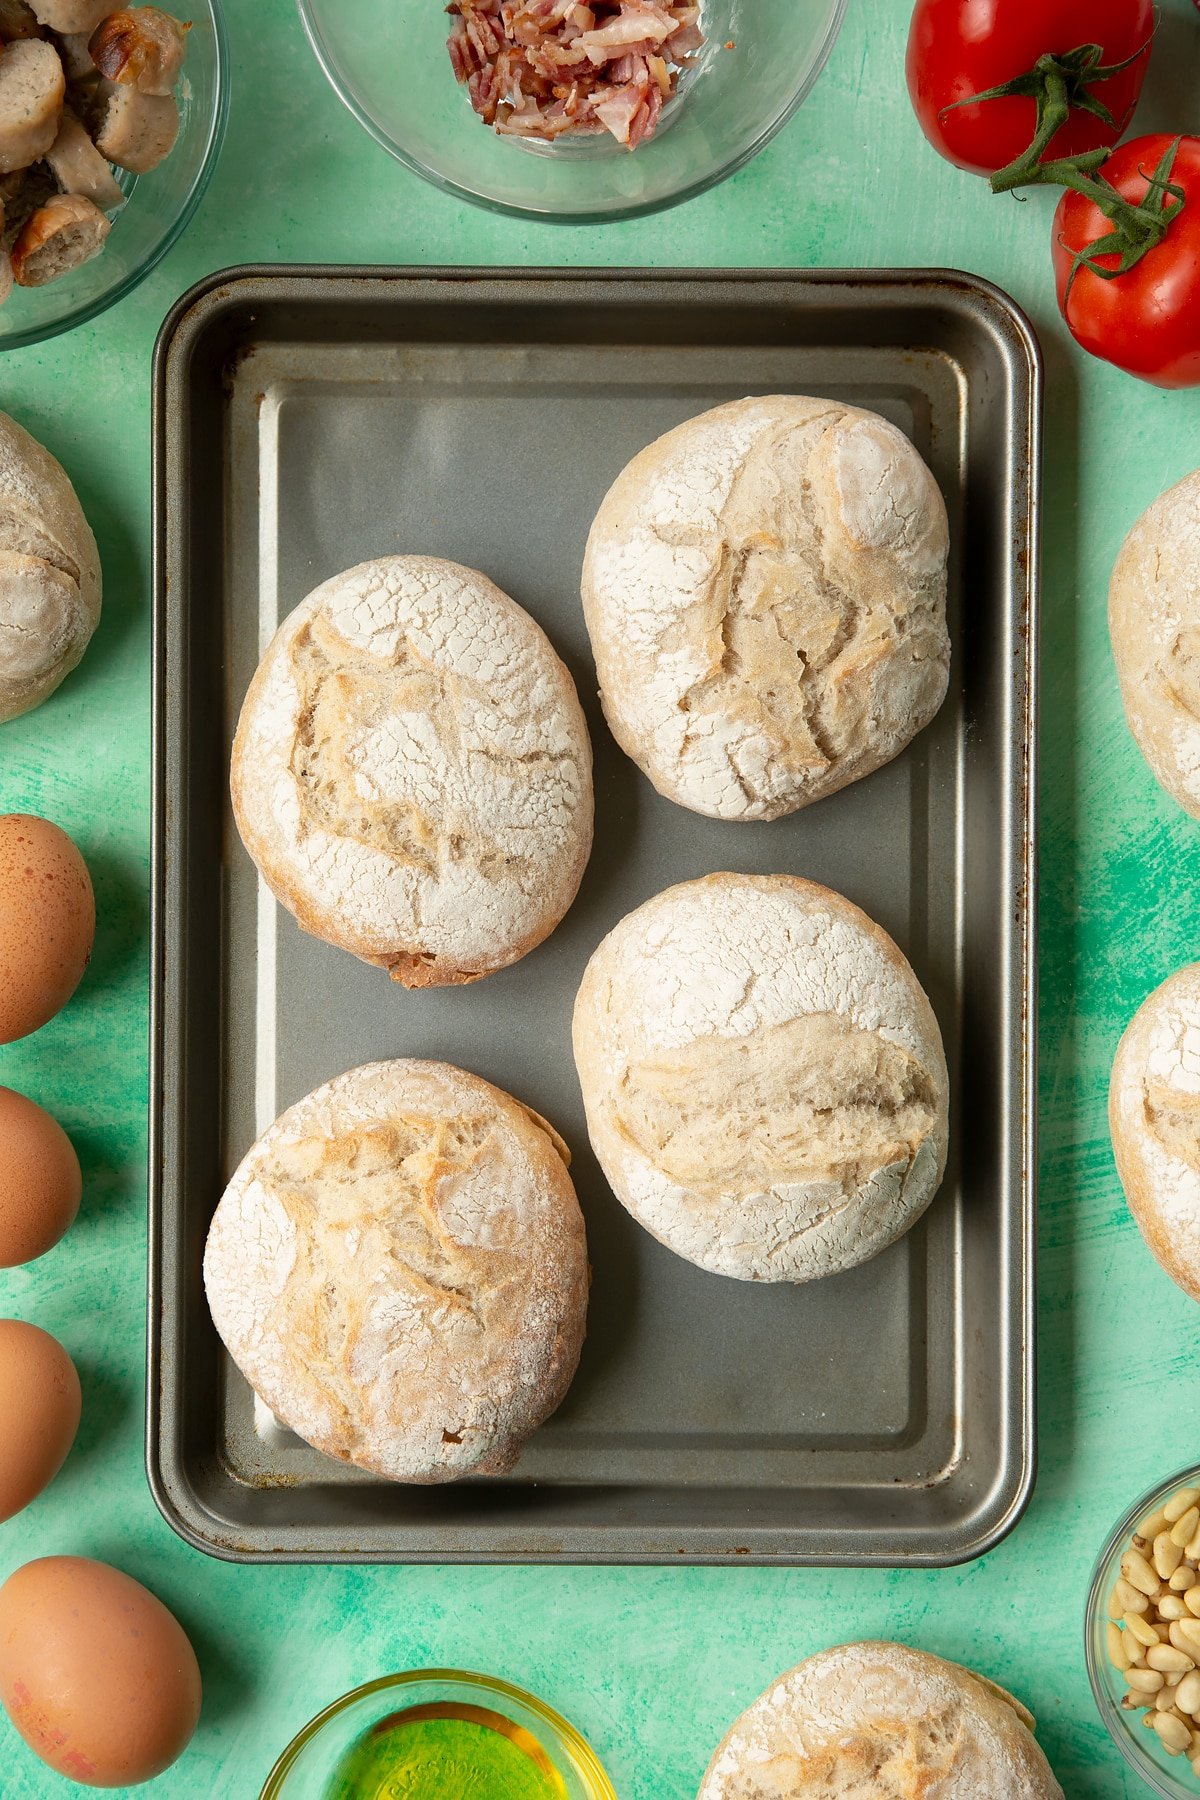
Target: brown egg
39, 1412
40, 1183
47, 922
95, 1673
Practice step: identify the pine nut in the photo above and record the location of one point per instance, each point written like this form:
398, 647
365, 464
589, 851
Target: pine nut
1179, 1503
1138, 1572
1114, 1640
1164, 1701
1183, 1579
1136, 1703
1165, 1657
1192, 1548
1171, 1607
1139, 1630
1185, 1635
1196, 1767
1153, 1523
1127, 1597
1191, 1599
1187, 1694
1184, 1529
1134, 1651
1146, 1681
1167, 1555
1173, 1733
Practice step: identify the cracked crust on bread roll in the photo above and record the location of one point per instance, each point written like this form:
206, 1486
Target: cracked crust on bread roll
763, 1077
765, 589
1154, 1117
412, 772
1154, 623
878, 1721
49, 573
399, 1269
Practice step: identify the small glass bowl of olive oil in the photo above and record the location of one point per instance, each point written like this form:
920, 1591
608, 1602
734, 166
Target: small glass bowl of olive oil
438, 1734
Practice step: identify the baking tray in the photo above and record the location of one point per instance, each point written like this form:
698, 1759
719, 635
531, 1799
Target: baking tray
308, 418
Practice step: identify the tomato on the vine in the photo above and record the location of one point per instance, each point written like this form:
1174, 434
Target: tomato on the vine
1146, 321
957, 48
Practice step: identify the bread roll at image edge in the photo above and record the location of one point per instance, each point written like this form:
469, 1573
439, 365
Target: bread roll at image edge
1155, 1125
829, 1727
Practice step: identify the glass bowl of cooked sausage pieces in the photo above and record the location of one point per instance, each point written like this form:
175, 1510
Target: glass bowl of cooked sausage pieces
110, 123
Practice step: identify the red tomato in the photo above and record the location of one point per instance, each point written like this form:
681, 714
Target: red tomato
1148, 320
957, 48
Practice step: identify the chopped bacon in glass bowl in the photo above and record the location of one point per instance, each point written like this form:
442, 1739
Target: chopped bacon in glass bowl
545, 68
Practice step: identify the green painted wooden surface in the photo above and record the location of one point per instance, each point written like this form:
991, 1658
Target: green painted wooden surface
652, 1663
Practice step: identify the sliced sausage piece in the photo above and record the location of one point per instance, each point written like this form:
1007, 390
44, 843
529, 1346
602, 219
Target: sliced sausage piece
58, 237
17, 20
71, 15
137, 130
141, 47
31, 102
76, 57
22, 193
79, 167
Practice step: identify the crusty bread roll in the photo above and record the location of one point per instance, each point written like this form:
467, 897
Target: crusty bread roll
49, 573
1154, 622
763, 1077
399, 1270
412, 771
1154, 1116
765, 589
881, 1722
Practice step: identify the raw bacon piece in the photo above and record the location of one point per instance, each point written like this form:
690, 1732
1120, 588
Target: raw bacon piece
545, 68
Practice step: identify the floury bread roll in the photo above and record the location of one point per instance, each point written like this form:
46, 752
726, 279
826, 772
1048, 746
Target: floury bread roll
765, 589
399, 1269
1154, 622
49, 573
763, 1077
881, 1722
1154, 1115
412, 772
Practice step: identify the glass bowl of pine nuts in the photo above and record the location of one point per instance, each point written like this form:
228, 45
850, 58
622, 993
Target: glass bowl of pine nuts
1142, 1637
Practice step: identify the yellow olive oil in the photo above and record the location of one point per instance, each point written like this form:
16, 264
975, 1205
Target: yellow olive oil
446, 1751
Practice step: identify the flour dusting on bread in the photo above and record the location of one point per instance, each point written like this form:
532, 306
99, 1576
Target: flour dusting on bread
763, 1076
1154, 620
765, 590
412, 771
1154, 1112
49, 573
878, 1721
399, 1269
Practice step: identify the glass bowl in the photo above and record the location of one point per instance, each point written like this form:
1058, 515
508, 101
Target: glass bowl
399, 85
1169, 1776
158, 206
331, 1757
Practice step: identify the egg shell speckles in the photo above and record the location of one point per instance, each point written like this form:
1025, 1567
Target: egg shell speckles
40, 1403
47, 922
40, 1181
95, 1674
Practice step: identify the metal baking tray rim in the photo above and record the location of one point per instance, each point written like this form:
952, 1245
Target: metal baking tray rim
176, 1501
